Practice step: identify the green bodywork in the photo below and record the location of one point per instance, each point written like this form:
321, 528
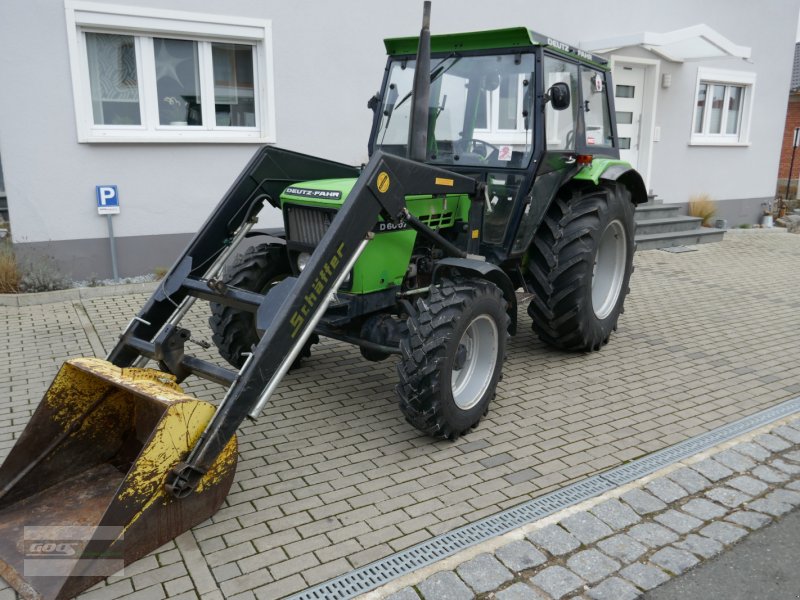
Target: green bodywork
594, 172
385, 260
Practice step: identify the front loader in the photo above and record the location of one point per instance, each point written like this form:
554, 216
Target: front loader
487, 174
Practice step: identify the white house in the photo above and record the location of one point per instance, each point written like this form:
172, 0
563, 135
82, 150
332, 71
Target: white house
167, 100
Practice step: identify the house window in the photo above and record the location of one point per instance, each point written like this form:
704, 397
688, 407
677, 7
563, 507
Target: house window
167, 76
722, 107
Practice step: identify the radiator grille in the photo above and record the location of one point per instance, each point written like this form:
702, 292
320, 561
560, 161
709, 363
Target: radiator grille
307, 225
438, 221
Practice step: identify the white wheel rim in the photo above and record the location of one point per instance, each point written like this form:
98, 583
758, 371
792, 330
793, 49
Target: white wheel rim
609, 269
480, 342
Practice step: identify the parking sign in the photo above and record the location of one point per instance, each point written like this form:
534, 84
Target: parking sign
107, 200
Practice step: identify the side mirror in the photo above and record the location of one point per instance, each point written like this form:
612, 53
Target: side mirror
558, 95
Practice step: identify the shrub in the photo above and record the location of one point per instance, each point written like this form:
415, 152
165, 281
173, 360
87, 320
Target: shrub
704, 207
40, 273
9, 271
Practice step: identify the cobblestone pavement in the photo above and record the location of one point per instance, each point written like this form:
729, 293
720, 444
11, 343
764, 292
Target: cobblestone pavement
332, 478
622, 544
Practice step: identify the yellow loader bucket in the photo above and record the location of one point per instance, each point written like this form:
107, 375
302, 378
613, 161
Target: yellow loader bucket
81, 492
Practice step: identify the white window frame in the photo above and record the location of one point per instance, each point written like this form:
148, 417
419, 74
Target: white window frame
146, 23
745, 79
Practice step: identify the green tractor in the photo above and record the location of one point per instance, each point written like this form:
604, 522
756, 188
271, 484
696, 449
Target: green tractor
532, 121
493, 167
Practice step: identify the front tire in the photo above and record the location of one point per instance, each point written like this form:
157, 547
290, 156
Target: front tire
234, 331
580, 267
452, 359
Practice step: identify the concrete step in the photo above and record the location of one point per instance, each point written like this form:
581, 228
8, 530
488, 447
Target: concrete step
676, 223
656, 211
701, 235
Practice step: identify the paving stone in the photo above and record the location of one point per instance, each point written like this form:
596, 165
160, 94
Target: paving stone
794, 485
613, 588
749, 518
674, 560
555, 540
794, 455
616, 514
723, 532
444, 585
520, 555
644, 576
404, 594
788, 433
666, 490
786, 467
785, 496
770, 507
748, 485
711, 469
772, 442
752, 450
703, 509
586, 527
483, 573
519, 591
768, 474
623, 547
557, 581
690, 480
700, 545
652, 535
592, 565
642, 502
734, 461
678, 521
728, 497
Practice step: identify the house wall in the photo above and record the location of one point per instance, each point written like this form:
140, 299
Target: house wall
329, 60
792, 121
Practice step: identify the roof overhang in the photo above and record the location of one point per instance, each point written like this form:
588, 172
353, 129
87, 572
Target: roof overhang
699, 42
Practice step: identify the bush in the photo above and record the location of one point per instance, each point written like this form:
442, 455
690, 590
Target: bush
9, 271
704, 207
40, 273
34, 273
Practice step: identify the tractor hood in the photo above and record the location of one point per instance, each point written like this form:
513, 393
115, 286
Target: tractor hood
328, 193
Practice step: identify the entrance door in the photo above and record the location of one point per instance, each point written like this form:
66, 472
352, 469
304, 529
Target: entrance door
629, 99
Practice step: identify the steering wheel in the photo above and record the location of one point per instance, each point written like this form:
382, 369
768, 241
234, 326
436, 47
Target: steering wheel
479, 148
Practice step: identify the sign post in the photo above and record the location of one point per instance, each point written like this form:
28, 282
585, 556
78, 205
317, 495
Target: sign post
108, 205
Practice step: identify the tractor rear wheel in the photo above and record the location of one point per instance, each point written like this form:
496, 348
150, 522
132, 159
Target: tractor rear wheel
580, 267
452, 358
257, 270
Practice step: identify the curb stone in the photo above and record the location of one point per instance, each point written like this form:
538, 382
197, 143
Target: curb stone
603, 549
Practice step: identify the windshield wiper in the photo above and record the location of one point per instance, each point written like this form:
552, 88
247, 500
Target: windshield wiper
436, 72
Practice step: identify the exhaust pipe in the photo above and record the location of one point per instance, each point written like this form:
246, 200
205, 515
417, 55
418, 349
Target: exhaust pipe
418, 126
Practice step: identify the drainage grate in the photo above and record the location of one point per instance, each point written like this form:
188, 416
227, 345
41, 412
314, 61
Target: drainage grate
376, 574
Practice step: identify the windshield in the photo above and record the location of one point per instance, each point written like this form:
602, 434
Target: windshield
480, 110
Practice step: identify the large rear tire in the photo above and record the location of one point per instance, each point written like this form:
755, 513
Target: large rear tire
257, 270
452, 359
580, 267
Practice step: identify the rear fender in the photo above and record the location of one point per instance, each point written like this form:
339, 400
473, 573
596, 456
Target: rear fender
468, 267
619, 171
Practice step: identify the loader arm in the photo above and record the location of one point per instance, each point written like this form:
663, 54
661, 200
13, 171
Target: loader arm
290, 310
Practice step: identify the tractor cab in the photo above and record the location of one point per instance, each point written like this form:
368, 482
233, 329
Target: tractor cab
511, 108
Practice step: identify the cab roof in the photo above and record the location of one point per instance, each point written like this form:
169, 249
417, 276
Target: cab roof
496, 39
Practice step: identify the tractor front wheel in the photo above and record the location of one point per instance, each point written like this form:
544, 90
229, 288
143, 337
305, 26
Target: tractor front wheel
257, 270
452, 358
580, 267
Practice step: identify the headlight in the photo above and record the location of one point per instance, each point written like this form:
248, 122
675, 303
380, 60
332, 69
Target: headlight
302, 260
